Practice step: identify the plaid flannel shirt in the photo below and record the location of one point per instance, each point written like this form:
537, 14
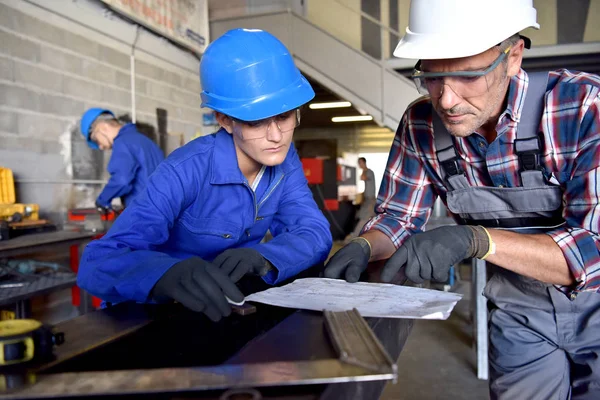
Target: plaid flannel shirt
570, 156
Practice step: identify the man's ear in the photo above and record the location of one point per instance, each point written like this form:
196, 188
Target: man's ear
515, 58
224, 121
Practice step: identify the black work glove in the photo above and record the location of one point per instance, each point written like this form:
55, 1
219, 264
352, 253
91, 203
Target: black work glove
238, 262
199, 286
102, 209
350, 261
429, 255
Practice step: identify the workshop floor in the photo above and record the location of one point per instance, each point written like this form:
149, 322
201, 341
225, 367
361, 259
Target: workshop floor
438, 360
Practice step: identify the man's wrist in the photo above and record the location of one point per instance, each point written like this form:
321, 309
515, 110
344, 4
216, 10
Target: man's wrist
482, 244
365, 244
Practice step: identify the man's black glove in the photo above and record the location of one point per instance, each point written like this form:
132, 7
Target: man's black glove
429, 255
199, 286
238, 262
350, 261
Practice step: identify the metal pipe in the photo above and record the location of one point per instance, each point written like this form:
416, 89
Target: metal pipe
132, 73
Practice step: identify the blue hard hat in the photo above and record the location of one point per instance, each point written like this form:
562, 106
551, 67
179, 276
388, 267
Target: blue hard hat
87, 120
249, 75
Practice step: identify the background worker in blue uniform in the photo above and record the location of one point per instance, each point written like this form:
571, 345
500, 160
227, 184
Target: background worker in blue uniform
134, 157
198, 226
515, 157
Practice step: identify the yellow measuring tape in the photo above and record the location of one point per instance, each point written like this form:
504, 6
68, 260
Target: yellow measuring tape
18, 340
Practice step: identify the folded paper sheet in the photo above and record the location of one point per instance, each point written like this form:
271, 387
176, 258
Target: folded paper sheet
371, 299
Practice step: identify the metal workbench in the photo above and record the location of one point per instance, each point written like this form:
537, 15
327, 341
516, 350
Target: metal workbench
37, 243
161, 349
169, 351
27, 244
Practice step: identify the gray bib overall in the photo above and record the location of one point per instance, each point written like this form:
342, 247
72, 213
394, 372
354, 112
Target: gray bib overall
543, 345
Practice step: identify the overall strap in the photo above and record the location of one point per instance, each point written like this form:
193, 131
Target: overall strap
454, 176
527, 143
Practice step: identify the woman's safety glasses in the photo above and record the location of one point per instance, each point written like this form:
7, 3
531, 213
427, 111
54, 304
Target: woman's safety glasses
285, 122
463, 83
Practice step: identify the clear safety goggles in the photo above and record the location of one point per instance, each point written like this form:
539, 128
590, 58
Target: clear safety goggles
285, 122
463, 83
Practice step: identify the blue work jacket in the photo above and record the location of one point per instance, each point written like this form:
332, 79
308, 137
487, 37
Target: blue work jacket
134, 157
198, 203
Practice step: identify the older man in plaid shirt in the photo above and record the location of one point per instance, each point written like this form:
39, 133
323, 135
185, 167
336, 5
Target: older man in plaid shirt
515, 157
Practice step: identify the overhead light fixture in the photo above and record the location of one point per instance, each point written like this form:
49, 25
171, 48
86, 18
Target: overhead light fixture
353, 118
333, 104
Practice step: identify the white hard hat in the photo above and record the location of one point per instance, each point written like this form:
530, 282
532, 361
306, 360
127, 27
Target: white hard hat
461, 28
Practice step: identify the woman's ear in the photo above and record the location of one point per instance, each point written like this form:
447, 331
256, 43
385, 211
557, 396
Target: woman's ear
224, 121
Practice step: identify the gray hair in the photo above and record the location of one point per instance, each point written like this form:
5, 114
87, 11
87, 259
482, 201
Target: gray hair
105, 117
511, 41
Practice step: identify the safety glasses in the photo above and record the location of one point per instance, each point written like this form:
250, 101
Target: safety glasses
463, 83
285, 122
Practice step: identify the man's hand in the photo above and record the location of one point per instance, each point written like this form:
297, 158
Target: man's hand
350, 261
238, 262
199, 286
429, 255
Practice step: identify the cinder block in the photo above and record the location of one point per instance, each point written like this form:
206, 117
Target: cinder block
141, 85
61, 60
16, 143
59, 105
81, 45
40, 126
192, 84
8, 121
80, 88
177, 96
191, 116
98, 72
9, 17
147, 70
18, 97
114, 57
172, 78
159, 91
42, 78
122, 80
6, 69
116, 97
19, 48
184, 98
146, 104
30, 26
50, 147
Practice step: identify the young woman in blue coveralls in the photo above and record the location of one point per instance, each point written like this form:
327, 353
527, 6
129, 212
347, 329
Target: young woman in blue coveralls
198, 226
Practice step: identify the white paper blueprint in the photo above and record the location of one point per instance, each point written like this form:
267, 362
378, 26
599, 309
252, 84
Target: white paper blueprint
370, 299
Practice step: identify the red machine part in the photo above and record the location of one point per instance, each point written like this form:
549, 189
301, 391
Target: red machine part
313, 170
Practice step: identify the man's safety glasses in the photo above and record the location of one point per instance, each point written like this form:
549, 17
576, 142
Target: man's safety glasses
463, 83
285, 122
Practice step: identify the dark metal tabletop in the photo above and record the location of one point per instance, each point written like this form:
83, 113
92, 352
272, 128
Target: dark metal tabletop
36, 241
35, 286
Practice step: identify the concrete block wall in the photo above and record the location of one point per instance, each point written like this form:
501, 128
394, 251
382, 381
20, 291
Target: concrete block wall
51, 71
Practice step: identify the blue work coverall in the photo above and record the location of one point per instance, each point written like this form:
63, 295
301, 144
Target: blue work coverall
134, 157
198, 203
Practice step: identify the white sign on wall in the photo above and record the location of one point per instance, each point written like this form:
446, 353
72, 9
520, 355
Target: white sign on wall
183, 21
